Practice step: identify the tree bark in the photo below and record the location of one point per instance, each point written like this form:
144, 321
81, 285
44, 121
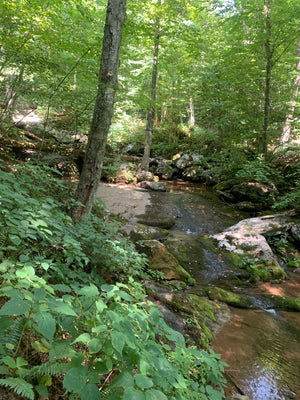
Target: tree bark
151, 111
103, 111
287, 129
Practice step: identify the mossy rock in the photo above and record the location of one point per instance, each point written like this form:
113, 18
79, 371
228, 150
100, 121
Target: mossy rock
230, 298
161, 260
284, 302
156, 219
143, 232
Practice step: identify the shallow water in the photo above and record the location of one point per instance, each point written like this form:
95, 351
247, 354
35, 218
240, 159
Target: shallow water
261, 347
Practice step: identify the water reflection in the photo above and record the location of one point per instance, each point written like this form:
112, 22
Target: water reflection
265, 366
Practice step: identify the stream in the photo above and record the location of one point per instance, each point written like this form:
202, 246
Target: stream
261, 346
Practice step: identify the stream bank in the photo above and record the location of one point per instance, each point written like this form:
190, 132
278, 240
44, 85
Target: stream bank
261, 345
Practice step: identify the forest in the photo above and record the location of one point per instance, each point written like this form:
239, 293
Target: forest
147, 95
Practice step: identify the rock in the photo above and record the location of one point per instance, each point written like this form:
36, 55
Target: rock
237, 397
161, 260
295, 232
145, 176
183, 162
142, 232
230, 298
258, 193
193, 174
246, 206
163, 221
156, 186
247, 241
162, 168
136, 149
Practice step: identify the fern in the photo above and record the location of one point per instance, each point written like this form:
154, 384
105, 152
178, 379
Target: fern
10, 338
20, 386
48, 368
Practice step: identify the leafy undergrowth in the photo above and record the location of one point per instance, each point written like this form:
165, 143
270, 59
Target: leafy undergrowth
75, 322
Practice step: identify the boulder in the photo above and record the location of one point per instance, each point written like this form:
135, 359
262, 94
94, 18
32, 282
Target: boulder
143, 232
145, 176
295, 232
193, 174
257, 193
161, 260
183, 162
162, 168
156, 186
247, 241
164, 221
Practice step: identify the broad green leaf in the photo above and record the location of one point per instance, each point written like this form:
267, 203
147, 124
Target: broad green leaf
125, 379
99, 329
21, 362
95, 345
118, 341
143, 382
46, 324
83, 338
144, 365
65, 309
15, 240
15, 307
100, 305
154, 394
75, 379
90, 392
39, 294
62, 288
89, 291
133, 394
9, 361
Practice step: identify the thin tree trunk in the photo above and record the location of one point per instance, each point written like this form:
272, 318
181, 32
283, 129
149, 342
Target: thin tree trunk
103, 111
151, 111
192, 112
267, 100
287, 129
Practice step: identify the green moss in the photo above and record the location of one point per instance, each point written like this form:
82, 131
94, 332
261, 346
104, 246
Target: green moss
284, 302
232, 299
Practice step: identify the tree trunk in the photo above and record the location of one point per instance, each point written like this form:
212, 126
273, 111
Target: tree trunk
192, 112
267, 100
151, 111
287, 129
103, 111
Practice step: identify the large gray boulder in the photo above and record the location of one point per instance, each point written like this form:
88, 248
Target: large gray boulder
247, 240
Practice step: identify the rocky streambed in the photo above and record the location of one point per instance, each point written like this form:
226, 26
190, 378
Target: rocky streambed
217, 295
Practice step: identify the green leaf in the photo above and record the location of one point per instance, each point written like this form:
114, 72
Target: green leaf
99, 329
5, 322
62, 288
20, 386
95, 345
125, 379
118, 341
89, 291
46, 324
15, 307
15, 240
90, 392
65, 309
143, 382
39, 294
75, 379
133, 394
154, 394
83, 338
21, 362
9, 361
100, 305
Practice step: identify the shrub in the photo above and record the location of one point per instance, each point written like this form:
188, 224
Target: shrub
60, 322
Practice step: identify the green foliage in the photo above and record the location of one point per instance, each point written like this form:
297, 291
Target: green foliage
105, 339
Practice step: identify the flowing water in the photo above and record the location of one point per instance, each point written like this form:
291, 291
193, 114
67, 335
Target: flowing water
261, 346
